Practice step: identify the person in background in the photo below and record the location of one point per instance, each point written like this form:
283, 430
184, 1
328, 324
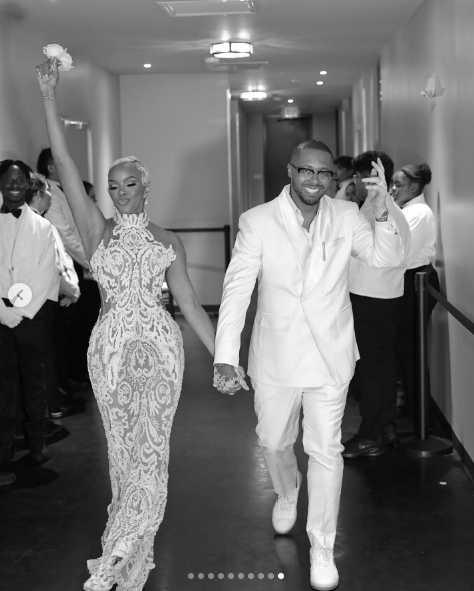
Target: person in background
343, 171
89, 305
73, 372
90, 190
27, 256
351, 194
407, 190
38, 197
375, 295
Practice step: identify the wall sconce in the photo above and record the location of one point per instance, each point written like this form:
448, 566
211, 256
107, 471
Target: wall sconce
433, 88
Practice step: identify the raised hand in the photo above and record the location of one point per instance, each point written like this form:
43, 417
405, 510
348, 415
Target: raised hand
377, 187
48, 77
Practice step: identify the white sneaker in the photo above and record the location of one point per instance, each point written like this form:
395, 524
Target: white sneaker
284, 511
323, 574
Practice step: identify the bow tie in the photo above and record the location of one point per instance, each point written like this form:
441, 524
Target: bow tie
16, 212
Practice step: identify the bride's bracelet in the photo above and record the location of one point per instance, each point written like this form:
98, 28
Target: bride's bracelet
48, 98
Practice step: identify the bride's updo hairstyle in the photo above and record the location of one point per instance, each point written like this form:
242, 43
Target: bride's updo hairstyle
146, 182
418, 173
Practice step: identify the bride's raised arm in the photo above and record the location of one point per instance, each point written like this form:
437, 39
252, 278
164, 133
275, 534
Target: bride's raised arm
88, 217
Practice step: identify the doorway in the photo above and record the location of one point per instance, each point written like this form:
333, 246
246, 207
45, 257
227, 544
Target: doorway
282, 135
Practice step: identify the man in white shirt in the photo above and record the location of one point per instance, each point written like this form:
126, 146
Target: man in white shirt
343, 173
39, 200
375, 295
28, 256
303, 350
60, 215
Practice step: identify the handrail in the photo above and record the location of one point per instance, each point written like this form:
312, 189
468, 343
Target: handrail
451, 309
225, 229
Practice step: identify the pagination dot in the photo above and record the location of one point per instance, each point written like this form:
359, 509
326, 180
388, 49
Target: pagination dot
281, 576
261, 575
231, 575
220, 576
251, 575
271, 576
210, 576
190, 576
200, 576
241, 575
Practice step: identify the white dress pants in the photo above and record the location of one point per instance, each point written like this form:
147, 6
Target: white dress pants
278, 410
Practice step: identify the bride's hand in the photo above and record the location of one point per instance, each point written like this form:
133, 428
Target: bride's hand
48, 77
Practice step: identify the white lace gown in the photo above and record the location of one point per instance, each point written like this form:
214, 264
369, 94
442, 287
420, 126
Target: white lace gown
136, 364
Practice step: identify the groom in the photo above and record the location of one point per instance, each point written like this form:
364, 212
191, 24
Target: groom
303, 350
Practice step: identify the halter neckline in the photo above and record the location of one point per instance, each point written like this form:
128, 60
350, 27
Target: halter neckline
131, 220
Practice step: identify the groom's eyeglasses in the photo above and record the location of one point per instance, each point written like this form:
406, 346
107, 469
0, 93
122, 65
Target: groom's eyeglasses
323, 176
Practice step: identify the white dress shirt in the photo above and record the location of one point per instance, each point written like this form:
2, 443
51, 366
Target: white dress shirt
68, 279
60, 215
423, 232
388, 283
28, 255
341, 193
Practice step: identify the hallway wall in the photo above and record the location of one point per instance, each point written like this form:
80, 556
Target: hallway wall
438, 41
179, 126
86, 93
366, 112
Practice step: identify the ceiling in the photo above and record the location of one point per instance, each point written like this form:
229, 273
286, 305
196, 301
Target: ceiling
298, 39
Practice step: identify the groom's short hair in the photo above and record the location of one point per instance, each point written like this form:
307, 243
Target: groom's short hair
311, 145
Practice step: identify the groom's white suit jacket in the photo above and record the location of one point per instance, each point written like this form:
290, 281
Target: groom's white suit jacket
270, 246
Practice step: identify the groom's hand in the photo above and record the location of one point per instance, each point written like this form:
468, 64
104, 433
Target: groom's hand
228, 379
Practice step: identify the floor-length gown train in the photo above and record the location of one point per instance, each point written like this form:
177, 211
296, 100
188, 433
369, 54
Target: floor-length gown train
136, 363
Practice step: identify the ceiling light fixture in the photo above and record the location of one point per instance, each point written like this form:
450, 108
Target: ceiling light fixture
207, 7
291, 101
231, 49
147, 65
319, 82
253, 95
323, 72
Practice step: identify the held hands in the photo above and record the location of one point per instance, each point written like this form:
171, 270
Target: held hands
377, 188
229, 379
48, 77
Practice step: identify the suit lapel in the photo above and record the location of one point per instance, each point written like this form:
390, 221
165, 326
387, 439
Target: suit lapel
318, 257
293, 231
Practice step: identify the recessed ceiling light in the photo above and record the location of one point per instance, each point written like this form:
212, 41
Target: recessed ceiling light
291, 101
323, 72
207, 7
319, 82
147, 65
231, 49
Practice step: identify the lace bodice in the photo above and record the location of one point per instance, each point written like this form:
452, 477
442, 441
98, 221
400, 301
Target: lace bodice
131, 269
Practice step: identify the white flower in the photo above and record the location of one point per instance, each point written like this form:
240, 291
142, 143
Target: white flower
53, 50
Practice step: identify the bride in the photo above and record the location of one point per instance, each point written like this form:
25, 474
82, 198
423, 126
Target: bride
135, 355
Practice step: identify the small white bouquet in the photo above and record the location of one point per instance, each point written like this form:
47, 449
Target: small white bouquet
64, 59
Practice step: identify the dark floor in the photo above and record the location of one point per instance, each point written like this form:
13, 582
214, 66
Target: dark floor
405, 524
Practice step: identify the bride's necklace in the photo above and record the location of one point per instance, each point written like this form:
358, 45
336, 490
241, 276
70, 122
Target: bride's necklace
131, 220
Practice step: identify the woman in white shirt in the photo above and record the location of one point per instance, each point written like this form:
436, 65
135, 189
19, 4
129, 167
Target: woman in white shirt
407, 190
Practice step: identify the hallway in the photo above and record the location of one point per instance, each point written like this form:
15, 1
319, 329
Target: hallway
404, 524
